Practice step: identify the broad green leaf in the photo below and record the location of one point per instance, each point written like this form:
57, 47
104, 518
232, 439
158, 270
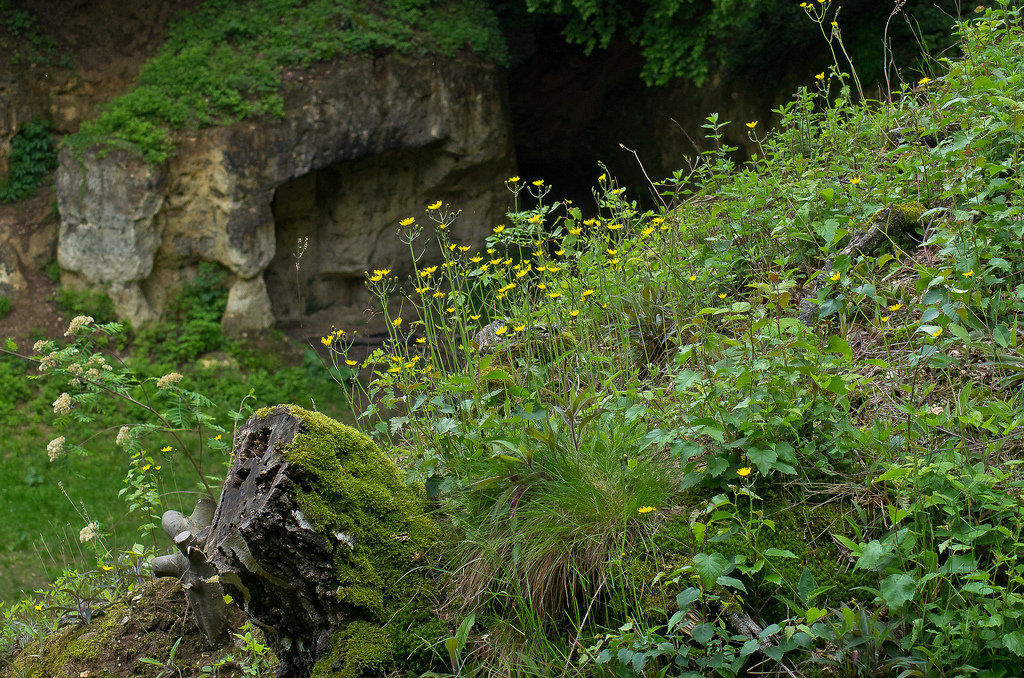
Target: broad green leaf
710, 567
731, 582
687, 597
1014, 642
763, 459
898, 589
839, 345
702, 633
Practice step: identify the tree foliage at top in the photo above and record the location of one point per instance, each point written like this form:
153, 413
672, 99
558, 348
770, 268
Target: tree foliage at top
686, 39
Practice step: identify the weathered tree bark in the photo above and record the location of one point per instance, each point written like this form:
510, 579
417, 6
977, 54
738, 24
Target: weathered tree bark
190, 565
269, 557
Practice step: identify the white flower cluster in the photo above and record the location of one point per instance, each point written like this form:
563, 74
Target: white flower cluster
88, 533
62, 405
124, 436
77, 323
168, 380
55, 447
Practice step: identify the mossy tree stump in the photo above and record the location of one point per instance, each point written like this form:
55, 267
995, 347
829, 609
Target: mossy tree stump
314, 534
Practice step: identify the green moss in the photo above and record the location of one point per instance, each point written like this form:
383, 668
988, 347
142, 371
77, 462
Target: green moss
356, 649
354, 489
76, 643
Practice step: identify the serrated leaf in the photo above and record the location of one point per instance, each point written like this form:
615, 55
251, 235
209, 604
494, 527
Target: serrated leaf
710, 567
763, 459
1014, 642
898, 589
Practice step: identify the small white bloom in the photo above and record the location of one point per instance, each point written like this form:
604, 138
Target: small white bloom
41, 345
168, 380
55, 447
78, 323
124, 436
88, 532
62, 405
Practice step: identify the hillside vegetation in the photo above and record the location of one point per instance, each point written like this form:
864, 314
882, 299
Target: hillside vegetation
730, 436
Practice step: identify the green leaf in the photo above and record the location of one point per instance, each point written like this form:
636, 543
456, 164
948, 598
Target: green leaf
731, 582
710, 567
687, 597
763, 459
894, 473
1001, 335
959, 332
898, 589
805, 586
779, 553
839, 345
1014, 642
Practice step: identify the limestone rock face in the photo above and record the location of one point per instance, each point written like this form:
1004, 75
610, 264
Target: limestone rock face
296, 208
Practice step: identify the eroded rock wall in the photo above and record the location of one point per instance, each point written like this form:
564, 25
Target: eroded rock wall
365, 143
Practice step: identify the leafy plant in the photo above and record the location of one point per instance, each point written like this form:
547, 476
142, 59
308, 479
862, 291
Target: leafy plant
32, 158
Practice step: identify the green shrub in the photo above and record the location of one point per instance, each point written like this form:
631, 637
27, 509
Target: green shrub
5, 307
87, 302
192, 326
33, 157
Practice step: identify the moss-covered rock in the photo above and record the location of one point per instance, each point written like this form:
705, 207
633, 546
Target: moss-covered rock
321, 539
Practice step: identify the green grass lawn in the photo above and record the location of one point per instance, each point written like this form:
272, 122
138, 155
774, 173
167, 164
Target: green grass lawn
44, 505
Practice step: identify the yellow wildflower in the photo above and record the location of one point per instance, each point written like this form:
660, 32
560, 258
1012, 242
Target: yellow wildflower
168, 448
937, 332
895, 307
834, 277
969, 273
538, 183
752, 124
573, 313
513, 180
397, 322
406, 222
924, 81
692, 278
614, 227
518, 328
576, 230
645, 509
351, 363
501, 330
434, 206
856, 181
723, 295
820, 76
499, 228
744, 472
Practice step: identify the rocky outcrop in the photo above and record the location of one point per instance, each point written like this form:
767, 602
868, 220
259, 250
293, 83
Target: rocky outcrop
365, 143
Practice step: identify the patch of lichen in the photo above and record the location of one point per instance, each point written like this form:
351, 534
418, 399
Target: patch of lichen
356, 650
351, 487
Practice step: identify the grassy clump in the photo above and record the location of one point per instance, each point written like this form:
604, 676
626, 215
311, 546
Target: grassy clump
223, 61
